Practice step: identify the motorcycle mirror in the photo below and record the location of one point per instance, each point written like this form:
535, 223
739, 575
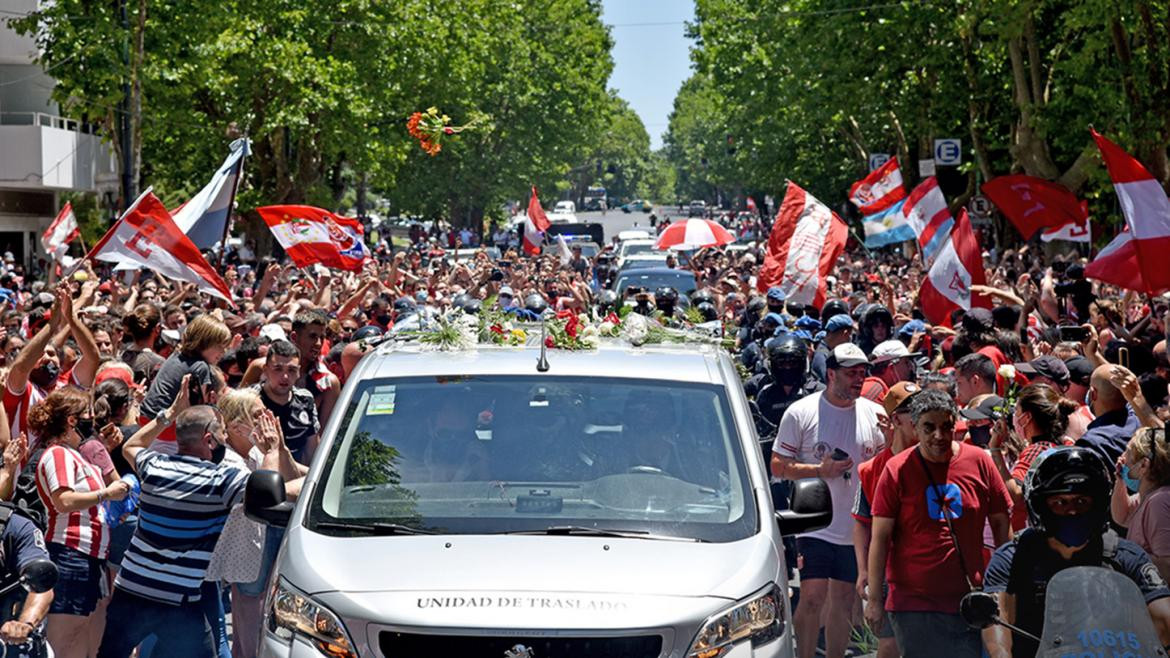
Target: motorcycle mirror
38, 576
979, 609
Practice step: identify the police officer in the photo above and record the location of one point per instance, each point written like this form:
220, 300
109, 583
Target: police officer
1067, 491
666, 300
22, 613
788, 380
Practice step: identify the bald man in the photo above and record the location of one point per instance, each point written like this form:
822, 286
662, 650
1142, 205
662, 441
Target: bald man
1115, 422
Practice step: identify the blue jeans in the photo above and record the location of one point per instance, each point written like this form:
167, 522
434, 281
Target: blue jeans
182, 630
211, 600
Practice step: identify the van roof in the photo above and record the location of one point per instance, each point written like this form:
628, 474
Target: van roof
687, 362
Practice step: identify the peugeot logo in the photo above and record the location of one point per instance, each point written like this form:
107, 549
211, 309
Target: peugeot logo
520, 651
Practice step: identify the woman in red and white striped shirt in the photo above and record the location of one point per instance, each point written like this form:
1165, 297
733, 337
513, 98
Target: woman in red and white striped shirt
72, 490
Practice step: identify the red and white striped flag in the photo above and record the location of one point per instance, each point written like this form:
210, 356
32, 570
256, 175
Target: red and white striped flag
805, 243
1132, 259
926, 212
60, 233
957, 266
146, 235
535, 226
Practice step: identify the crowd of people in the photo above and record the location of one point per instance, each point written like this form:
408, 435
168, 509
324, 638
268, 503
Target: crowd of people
955, 452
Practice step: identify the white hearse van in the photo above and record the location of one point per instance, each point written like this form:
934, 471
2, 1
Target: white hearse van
502, 502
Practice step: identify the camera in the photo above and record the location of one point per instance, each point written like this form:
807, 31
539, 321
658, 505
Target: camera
497, 275
1073, 333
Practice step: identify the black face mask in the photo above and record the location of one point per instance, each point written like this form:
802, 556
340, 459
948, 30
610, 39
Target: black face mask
85, 427
980, 436
788, 376
383, 319
45, 375
218, 453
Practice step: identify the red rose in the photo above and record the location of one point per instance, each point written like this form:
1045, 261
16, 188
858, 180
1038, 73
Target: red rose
548, 342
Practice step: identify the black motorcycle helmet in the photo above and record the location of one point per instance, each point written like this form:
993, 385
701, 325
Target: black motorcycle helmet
701, 296
460, 300
708, 311
472, 306
404, 306
607, 301
875, 315
833, 307
535, 303
1069, 470
666, 298
755, 309
787, 358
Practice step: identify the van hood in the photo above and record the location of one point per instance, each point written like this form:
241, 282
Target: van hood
434, 565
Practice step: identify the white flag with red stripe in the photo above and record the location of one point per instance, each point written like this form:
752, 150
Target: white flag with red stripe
535, 225
957, 266
806, 240
60, 233
927, 213
879, 190
146, 235
1136, 259
1071, 232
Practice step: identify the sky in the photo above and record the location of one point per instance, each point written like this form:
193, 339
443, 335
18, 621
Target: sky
651, 56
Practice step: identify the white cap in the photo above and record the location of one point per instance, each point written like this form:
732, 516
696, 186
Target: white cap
847, 355
890, 350
273, 332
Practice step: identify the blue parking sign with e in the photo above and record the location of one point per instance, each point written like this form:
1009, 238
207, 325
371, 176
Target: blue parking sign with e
878, 159
948, 152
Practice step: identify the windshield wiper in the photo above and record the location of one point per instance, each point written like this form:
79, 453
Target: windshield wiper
586, 531
373, 528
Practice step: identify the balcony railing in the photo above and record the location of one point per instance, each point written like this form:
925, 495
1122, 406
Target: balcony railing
46, 120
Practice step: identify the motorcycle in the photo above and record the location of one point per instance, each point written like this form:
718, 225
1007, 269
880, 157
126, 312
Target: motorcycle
1089, 612
38, 576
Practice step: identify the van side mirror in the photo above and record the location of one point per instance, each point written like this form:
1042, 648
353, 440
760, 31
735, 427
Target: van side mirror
264, 500
811, 509
39, 576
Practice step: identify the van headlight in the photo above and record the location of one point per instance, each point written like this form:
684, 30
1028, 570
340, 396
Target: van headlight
759, 618
293, 613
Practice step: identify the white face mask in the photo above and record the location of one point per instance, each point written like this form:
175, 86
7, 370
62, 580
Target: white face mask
1018, 426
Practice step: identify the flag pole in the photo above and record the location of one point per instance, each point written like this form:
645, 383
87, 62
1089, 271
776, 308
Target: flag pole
868, 253
227, 225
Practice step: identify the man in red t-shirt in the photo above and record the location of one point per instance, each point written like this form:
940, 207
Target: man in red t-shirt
929, 509
899, 432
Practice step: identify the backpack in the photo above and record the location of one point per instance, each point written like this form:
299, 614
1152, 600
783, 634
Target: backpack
25, 497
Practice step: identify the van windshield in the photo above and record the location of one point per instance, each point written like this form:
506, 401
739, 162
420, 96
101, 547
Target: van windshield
480, 455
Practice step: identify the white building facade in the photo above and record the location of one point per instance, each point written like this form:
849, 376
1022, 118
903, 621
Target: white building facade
42, 154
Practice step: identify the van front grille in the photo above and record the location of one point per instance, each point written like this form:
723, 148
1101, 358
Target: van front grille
409, 645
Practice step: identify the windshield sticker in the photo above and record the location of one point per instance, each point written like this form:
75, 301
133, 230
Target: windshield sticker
381, 404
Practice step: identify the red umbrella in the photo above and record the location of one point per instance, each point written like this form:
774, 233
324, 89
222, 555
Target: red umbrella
693, 234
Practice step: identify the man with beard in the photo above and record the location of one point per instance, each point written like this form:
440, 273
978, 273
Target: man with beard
37, 369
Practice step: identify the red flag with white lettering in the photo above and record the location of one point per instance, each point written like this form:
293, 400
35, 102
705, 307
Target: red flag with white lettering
1033, 204
146, 235
957, 266
805, 243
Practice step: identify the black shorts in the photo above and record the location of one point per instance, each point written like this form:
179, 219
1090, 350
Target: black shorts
81, 581
821, 559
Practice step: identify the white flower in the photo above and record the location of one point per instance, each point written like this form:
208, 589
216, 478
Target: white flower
582, 318
1007, 371
507, 327
591, 341
635, 329
589, 331
606, 328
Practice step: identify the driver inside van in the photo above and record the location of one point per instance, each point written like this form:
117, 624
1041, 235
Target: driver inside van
650, 432
452, 452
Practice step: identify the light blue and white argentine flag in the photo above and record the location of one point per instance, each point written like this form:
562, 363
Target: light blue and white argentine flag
887, 227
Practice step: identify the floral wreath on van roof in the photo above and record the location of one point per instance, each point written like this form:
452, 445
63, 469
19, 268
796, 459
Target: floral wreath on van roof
455, 330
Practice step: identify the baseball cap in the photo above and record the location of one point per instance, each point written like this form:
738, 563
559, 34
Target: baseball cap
912, 327
808, 324
890, 350
1045, 365
506, 291
984, 410
368, 331
775, 317
898, 396
846, 355
839, 322
273, 332
776, 294
978, 319
1080, 370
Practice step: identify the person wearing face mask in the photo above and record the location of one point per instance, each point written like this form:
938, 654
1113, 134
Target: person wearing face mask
786, 381
1067, 495
1038, 422
1141, 495
159, 590
37, 369
71, 489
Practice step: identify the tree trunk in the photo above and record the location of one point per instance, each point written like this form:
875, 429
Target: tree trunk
136, 94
